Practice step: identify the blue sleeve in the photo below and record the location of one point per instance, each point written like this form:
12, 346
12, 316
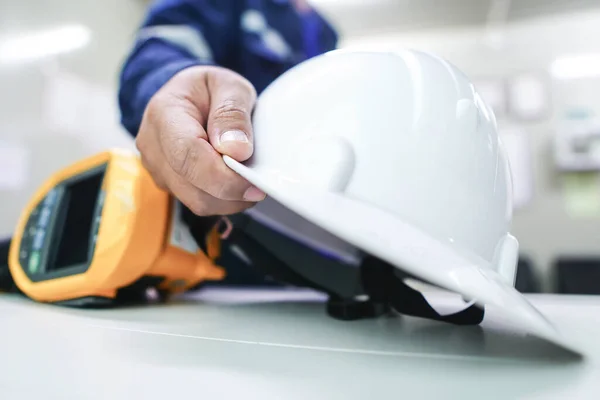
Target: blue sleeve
175, 35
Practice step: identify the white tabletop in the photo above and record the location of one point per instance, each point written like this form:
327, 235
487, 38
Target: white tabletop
231, 344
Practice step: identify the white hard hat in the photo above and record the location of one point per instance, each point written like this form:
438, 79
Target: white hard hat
395, 154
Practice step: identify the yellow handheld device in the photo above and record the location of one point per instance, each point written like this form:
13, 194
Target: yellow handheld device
101, 226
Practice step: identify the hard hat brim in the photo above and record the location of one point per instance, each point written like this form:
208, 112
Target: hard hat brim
406, 247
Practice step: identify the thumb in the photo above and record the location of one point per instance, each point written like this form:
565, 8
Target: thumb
230, 117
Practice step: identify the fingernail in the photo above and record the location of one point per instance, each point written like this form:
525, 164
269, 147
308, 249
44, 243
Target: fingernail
234, 136
254, 194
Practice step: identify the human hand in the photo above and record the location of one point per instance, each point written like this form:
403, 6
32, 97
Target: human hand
199, 115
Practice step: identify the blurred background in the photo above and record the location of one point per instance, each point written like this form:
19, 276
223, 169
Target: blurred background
537, 62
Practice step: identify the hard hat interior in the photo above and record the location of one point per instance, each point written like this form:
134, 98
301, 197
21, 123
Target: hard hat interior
368, 289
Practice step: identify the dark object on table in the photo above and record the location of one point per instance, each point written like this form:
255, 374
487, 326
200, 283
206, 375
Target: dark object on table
577, 275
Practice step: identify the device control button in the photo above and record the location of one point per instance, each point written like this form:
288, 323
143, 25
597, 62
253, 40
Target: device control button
34, 262
38, 240
44, 217
31, 231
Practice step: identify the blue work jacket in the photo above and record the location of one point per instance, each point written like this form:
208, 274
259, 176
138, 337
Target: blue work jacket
259, 39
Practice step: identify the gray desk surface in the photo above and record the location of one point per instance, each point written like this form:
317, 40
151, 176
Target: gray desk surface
280, 345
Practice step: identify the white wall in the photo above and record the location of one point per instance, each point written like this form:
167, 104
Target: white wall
39, 99
544, 228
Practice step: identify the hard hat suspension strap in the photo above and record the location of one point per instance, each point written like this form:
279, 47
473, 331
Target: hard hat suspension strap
385, 283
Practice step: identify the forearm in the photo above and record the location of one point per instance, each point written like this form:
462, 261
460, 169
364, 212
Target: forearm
149, 67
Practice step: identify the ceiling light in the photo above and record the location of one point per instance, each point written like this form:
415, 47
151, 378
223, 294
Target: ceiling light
41, 44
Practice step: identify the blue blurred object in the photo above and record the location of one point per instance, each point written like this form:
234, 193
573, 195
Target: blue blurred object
259, 39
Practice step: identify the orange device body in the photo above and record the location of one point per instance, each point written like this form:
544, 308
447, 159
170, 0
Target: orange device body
101, 225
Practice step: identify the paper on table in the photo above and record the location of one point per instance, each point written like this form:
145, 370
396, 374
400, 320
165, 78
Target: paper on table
14, 166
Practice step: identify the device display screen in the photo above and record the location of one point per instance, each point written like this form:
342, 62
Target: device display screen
77, 215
